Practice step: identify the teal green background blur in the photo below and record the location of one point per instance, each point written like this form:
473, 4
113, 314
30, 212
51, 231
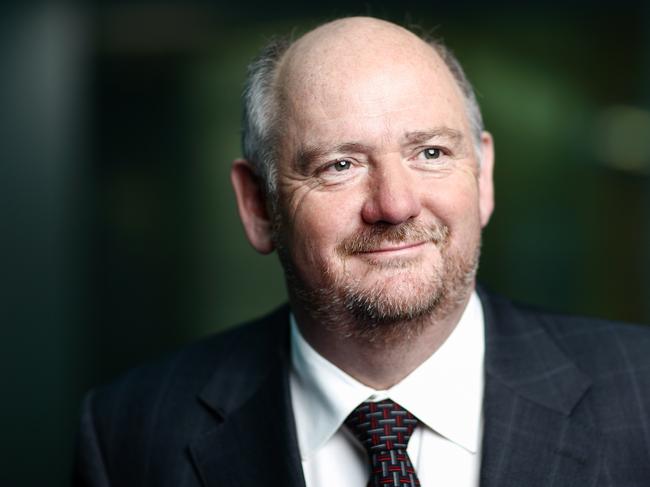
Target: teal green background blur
120, 239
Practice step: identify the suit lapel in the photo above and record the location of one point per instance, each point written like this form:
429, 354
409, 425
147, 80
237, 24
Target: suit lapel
536, 430
256, 442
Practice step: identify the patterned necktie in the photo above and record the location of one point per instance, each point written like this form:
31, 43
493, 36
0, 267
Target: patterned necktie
384, 429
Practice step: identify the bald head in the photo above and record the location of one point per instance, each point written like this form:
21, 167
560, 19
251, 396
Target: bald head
328, 58
318, 67
339, 45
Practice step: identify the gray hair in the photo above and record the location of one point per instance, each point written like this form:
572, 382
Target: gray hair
260, 121
471, 103
261, 112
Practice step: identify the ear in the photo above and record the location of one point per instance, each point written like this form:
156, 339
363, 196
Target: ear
485, 181
251, 203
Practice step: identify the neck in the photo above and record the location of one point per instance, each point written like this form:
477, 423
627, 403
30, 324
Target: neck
380, 363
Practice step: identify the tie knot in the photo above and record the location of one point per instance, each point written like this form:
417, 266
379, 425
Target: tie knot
382, 426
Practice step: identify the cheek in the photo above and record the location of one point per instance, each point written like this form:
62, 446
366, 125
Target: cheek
454, 201
319, 222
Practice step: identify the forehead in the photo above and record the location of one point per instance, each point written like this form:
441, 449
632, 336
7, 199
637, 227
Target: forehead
370, 82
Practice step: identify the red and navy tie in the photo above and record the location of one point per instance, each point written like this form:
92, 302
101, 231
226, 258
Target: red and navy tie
384, 429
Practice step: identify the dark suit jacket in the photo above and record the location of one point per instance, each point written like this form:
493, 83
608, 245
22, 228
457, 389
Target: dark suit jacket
567, 403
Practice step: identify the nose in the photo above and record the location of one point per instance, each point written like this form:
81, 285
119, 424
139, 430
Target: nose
392, 195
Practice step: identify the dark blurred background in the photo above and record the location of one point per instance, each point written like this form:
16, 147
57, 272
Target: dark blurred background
120, 239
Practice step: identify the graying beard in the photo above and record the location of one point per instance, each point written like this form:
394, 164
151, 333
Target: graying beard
353, 314
388, 321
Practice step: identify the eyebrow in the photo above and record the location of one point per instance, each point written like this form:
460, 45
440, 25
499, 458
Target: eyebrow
421, 136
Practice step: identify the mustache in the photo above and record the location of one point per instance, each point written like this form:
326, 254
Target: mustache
372, 238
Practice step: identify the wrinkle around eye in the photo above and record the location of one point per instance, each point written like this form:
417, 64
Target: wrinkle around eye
441, 166
294, 181
294, 190
296, 185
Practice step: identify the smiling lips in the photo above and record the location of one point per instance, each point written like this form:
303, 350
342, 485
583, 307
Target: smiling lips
386, 239
394, 248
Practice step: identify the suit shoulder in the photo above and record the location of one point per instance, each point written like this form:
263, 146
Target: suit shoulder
182, 374
596, 344
602, 344
156, 410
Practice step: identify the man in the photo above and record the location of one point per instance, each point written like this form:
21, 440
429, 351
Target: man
367, 168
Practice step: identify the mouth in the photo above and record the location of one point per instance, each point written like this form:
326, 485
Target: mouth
400, 248
383, 241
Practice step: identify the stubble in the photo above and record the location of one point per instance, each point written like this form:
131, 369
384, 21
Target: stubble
385, 311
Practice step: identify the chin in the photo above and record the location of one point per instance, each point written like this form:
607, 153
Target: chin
401, 304
395, 298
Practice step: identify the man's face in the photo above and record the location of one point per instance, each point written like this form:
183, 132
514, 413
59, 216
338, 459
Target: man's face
379, 189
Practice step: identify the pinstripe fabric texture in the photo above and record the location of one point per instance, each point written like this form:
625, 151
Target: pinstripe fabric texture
384, 429
567, 400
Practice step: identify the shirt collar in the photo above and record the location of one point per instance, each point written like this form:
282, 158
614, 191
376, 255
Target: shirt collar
445, 392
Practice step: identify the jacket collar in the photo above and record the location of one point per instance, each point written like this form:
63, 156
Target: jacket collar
521, 354
255, 438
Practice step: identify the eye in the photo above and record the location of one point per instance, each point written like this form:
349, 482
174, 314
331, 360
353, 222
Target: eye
338, 170
431, 153
342, 165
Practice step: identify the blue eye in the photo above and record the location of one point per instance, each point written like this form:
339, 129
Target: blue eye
431, 153
342, 165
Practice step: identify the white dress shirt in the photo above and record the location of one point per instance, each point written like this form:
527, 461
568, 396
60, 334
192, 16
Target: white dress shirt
445, 393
